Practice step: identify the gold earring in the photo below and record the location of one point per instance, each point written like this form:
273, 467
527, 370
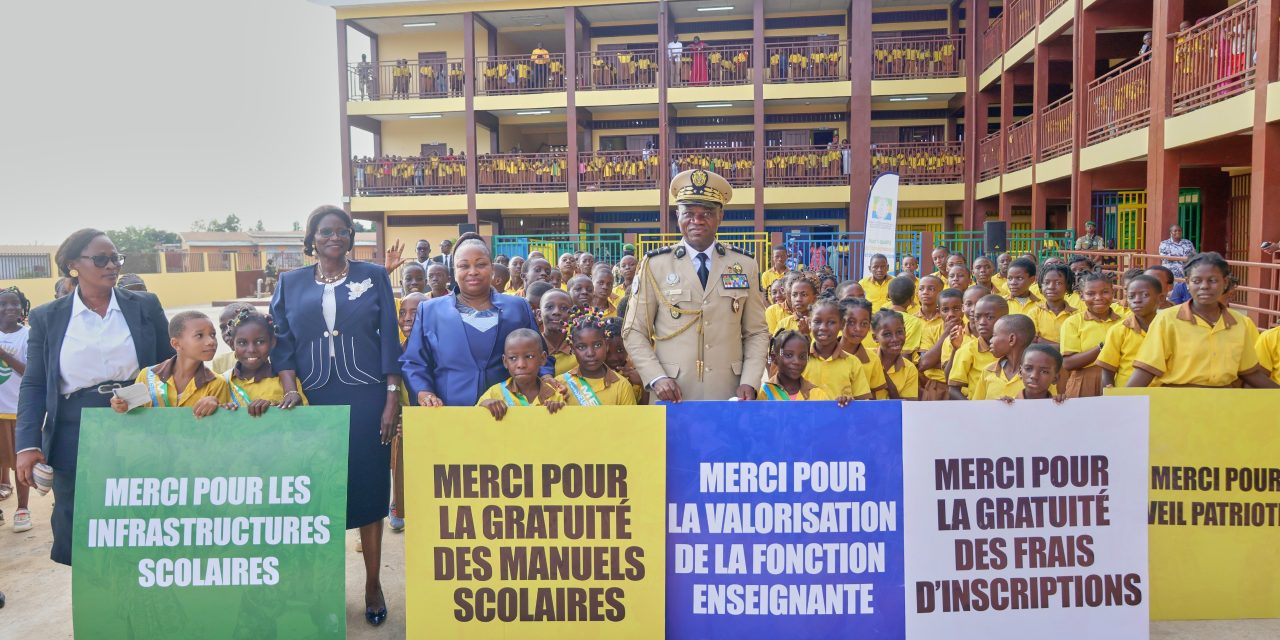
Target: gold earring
74, 273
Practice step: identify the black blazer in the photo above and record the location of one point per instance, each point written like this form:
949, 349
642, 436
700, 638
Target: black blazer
39, 396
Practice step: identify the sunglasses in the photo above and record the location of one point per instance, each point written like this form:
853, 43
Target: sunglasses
101, 261
329, 233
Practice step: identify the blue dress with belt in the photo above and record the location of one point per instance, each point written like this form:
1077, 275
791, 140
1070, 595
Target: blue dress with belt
346, 364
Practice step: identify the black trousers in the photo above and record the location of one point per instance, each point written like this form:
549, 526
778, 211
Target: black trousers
62, 457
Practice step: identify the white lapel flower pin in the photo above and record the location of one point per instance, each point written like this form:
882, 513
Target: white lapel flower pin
358, 288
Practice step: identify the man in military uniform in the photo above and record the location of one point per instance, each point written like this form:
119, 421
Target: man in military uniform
695, 327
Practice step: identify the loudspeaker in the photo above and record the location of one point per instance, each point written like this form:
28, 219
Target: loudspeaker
995, 236
466, 227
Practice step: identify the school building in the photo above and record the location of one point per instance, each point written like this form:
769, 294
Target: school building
1040, 113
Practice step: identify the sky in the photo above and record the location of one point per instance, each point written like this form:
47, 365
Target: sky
164, 112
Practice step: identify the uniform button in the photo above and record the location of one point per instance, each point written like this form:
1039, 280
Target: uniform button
326, 334
335, 333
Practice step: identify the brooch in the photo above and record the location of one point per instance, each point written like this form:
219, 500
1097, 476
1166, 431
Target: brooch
358, 288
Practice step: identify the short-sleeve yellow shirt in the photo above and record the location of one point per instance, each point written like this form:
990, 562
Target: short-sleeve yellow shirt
546, 393
1048, 323
611, 390
877, 294
905, 377
1268, 349
1120, 348
1183, 349
967, 365
839, 375
1084, 331
203, 385
994, 384
1023, 306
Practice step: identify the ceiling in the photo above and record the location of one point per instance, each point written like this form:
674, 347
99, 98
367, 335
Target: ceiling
382, 26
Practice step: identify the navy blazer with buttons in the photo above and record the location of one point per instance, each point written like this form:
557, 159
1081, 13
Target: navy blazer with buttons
365, 339
39, 394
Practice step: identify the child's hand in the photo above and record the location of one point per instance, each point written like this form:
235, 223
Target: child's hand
555, 383
259, 407
1059, 399
119, 405
843, 401
231, 407
1007, 400
400, 427
497, 408
802, 325
554, 406
205, 407
957, 336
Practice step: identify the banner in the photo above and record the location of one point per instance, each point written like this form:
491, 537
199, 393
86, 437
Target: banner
1026, 520
783, 520
226, 527
1215, 502
882, 222
538, 526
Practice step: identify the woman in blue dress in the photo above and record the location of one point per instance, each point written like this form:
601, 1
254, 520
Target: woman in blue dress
337, 341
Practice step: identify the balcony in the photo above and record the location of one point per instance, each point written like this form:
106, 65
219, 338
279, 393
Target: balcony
1020, 152
1022, 16
633, 69
915, 57
733, 163
618, 170
1215, 59
403, 80
989, 156
992, 42
1055, 129
408, 176
520, 173
826, 61
919, 163
519, 74
1119, 102
719, 65
806, 166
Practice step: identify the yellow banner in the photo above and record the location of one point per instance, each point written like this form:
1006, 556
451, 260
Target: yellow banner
1214, 511
538, 526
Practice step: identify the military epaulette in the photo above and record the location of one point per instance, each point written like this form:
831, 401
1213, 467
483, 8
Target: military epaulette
658, 252
739, 251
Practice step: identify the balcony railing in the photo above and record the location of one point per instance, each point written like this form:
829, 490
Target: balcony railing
919, 162
989, 156
403, 80
1048, 6
520, 172
408, 176
733, 163
1022, 18
992, 42
713, 66
506, 75
825, 61
1120, 101
806, 166
1021, 148
1216, 59
1055, 129
909, 57
618, 170
633, 69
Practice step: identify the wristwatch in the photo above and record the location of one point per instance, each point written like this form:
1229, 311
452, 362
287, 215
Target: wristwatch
393, 388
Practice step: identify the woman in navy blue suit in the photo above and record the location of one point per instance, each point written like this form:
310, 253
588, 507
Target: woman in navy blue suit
454, 353
337, 340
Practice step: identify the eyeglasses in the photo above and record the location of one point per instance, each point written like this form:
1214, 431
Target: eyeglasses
329, 233
101, 261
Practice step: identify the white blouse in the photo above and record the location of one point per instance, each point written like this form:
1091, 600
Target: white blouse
96, 349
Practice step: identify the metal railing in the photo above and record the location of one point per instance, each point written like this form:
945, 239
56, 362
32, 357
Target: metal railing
919, 162
1023, 16
989, 156
1048, 6
824, 61
400, 81
23, 265
1215, 59
1055, 129
909, 57
618, 170
992, 42
505, 75
1119, 101
734, 163
1041, 243
844, 251
606, 247
408, 176
631, 69
520, 172
755, 244
805, 166
715, 65
1021, 150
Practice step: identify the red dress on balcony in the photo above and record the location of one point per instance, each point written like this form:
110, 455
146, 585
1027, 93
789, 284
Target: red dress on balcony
698, 75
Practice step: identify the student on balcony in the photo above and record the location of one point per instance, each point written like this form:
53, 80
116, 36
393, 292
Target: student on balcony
540, 57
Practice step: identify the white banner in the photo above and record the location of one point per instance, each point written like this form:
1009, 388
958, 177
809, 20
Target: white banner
1026, 521
882, 222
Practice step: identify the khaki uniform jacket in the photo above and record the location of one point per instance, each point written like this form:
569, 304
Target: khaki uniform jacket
716, 340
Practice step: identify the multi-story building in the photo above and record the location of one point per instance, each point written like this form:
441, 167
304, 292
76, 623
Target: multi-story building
1041, 113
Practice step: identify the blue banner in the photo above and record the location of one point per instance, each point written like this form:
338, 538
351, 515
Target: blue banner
784, 520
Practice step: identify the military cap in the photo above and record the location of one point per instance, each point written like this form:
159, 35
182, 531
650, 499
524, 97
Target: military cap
699, 186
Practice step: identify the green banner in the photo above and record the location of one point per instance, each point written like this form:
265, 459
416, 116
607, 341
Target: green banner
226, 527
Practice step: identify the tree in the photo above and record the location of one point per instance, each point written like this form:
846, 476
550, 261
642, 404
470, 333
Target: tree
232, 223
362, 226
297, 226
141, 239
259, 227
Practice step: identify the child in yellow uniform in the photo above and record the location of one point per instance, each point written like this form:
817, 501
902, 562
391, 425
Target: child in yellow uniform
875, 287
602, 290
522, 355
902, 293
802, 292
829, 367
984, 273
778, 310
408, 314
1083, 336
617, 359
184, 380
1202, 343
1041, 364
891, 336
1003, 379
975, 355
789, 355
1125, 339
777, 268
252, 383
856, 313
1268, 349
1000, 279
940, 314
1022, 274
553, 317
592, 383
1055, 281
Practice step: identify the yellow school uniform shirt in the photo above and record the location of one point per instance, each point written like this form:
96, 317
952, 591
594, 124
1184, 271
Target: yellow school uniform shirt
789, 322
768, 277
773, 315
159, 380
999, 286
267, 388
619, 292
930, 332
1048, 323
904, 375
912, 326
225, 361
1120, 348
565, 360
1025, 305
839, 375
967, 364
1073, 299
871, 369
1268, 348
877, 294
1183, 349
612, 389
545, 394
994, 384
771, 390
1084, 331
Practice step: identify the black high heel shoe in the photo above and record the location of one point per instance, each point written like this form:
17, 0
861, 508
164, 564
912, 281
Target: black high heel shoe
376, 618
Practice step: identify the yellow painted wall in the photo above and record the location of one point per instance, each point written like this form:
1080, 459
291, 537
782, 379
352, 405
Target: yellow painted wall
410, 236
406, 137
173, 289
393, 46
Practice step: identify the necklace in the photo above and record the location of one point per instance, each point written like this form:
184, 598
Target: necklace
323, 279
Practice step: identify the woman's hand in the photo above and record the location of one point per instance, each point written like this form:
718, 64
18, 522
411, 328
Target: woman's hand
204, 407
291, 400
394, 260
27, 460
497, 408
428, 399
390, 416
259, 407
